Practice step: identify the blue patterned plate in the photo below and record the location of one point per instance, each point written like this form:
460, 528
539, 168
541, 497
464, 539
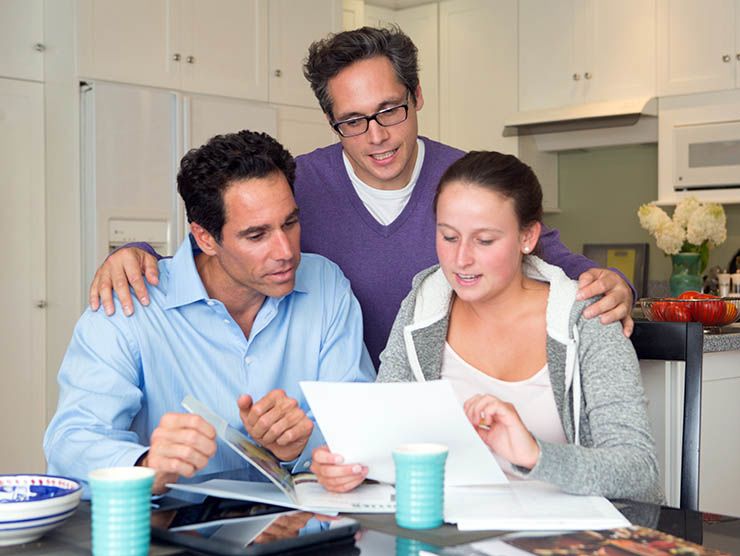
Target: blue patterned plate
31, 505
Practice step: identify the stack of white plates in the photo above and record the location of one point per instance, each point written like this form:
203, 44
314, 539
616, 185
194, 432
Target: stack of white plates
31, 505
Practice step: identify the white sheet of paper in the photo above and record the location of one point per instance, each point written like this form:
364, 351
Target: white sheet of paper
528, 506
364, 422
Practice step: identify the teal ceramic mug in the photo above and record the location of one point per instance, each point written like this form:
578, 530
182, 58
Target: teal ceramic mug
420, 478
121, 510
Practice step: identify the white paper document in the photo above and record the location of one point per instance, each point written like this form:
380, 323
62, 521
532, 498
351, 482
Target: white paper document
528, 506
301, 491
364, 422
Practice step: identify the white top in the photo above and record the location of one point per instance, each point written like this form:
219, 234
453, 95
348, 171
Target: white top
385, 205
532, 398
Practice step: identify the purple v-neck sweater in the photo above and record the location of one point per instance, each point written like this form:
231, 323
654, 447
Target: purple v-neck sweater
380, 261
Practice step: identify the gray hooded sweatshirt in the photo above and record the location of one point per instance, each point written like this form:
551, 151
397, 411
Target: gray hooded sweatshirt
595, 379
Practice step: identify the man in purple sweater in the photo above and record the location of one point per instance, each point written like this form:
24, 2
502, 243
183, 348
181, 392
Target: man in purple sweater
366, 202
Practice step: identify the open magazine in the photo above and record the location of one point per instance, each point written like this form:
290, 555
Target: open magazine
300, 491
637, 541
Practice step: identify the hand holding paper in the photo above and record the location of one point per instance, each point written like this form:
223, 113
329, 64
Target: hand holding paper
365, 422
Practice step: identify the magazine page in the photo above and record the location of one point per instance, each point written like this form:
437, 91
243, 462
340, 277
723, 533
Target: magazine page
263, 460
369, 497
638, 541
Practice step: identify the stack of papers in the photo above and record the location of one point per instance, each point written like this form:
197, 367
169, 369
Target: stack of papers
526, 506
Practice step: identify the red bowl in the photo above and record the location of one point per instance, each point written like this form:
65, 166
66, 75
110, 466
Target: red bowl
710, 312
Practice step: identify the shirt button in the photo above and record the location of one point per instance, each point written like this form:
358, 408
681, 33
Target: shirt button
306, 464
226, 321
210, 302
248, 360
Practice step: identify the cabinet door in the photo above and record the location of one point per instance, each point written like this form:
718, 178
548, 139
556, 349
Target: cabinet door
421, 24
302, 130
546, 54
225, 48
135, 41
737, 43
478, 87
21, 28
22, 319
623, 50
696, 46
293, 27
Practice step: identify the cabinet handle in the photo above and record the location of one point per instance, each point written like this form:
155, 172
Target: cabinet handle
41, 304
587, 75
737, 55
176, 57
576, 77
190, 59
726, 58
39, 47
279, 73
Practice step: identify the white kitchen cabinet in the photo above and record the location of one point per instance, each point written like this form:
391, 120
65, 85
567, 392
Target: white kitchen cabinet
293, 27
219, 47
583, 51
421, 24
22, 319
22, 39
302, 130
353, 14
223, 47
698, 46
719, 482
477, 73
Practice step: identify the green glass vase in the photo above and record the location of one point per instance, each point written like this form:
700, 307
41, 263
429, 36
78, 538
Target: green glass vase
686, 273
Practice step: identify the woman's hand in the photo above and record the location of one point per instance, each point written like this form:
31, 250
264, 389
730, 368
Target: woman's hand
333, 474
501, 428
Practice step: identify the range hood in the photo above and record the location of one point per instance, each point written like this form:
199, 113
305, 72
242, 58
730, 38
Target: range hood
596, 124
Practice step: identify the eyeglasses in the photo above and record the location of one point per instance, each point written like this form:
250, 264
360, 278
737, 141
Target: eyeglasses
386, 118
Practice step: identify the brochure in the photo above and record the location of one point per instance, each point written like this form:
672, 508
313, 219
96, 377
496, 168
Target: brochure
300, 491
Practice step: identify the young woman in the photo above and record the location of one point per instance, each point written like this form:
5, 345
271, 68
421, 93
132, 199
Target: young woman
555, 396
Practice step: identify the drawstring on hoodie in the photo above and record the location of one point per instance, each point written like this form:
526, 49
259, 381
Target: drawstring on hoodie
572, 364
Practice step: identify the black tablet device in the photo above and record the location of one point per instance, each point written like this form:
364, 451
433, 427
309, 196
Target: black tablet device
220, 526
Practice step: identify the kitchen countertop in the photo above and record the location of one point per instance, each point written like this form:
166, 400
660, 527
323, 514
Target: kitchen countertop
726, 339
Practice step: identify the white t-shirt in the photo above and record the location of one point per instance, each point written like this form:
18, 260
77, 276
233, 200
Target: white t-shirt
385, 205
533, 397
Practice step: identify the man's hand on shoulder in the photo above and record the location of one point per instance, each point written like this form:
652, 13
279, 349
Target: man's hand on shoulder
181, 445
616, 305
126, 267
277, 423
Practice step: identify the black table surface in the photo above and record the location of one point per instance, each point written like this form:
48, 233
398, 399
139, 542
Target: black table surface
713, 531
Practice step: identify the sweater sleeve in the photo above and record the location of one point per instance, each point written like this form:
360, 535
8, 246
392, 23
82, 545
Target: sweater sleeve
619, 460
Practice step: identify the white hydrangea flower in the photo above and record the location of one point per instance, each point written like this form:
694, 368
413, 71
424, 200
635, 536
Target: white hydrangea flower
670, 237
652, 217
707, 223
684, 210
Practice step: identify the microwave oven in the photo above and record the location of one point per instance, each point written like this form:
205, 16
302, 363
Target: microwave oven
707, 156
699, 147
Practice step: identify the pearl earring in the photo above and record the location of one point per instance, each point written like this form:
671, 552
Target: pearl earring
526, 249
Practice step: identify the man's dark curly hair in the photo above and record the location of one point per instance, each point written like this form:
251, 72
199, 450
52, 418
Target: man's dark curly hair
327, 57
206, 172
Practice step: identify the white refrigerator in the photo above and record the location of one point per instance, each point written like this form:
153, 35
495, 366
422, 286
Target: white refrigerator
132, 140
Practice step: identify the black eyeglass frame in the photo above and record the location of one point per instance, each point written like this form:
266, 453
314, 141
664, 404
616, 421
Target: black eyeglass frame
374, 117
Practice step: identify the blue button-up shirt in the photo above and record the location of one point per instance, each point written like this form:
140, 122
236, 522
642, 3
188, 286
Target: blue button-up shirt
121, 374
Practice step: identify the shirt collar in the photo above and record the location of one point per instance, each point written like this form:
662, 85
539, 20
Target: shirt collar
186, 286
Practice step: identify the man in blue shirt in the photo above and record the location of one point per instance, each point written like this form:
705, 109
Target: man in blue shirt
237, 325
